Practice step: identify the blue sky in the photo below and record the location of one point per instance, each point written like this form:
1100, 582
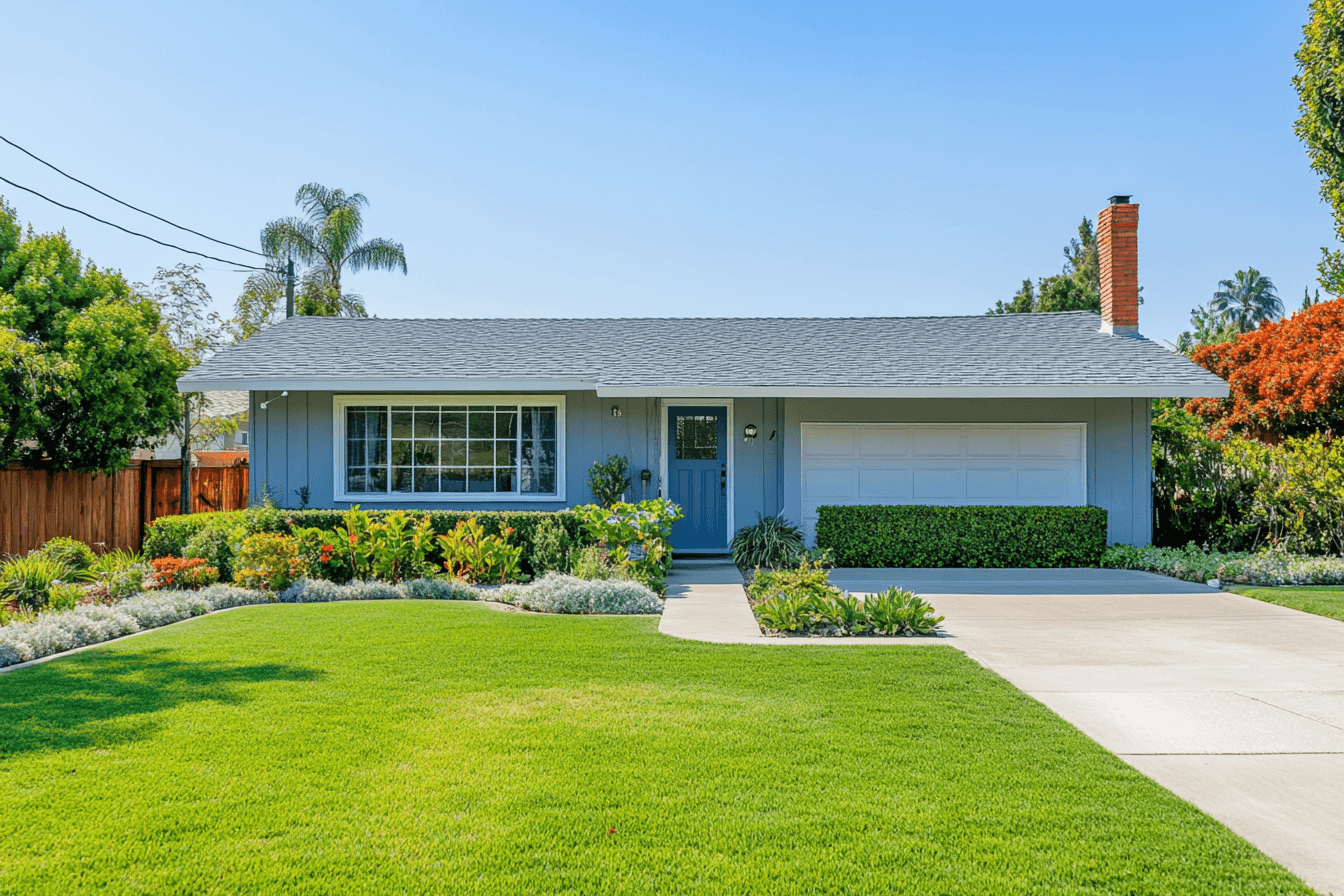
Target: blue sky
681, 159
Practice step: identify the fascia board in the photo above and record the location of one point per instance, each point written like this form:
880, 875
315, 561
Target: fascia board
384, 384
1155, 390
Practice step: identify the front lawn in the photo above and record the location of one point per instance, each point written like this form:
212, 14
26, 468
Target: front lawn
450, 748
1321, 601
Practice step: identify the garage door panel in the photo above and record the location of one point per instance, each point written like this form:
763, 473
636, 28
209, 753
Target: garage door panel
826, 482
880, 484
829, 441
940, 483
997, 441
883, 441
997, 485
936, 441
1049, 486
949, 464
1049, 441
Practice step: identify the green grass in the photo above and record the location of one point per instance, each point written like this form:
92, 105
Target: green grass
448, 748
1323, 601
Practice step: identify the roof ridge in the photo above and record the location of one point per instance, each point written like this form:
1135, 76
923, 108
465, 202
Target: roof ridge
986, 316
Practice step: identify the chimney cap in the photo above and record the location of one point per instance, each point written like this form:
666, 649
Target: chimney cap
1119, 200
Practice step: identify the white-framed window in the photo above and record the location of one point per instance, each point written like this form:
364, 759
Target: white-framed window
449, 448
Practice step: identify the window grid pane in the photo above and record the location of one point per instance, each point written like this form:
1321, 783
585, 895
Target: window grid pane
404, 449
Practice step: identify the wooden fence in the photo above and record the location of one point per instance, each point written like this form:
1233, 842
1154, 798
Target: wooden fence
112, 511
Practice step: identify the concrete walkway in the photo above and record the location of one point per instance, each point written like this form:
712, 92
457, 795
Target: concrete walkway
1232, 704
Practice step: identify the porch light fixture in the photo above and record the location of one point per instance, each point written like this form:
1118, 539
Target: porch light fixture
615, 410
749, 432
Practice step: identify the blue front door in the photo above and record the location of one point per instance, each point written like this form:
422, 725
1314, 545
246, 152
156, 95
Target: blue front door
697, 470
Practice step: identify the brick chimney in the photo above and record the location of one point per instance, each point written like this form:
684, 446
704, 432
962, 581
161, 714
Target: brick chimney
1118, 251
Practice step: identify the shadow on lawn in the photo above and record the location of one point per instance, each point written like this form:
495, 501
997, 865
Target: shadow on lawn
98, 700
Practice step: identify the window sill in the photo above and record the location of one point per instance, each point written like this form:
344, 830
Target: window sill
455, 498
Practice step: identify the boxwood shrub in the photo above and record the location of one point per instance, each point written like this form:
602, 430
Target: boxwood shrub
918, 536
168, 535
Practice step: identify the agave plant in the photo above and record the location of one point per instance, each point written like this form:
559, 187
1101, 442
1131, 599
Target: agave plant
896, 611
785, 613
771, 543
29, 579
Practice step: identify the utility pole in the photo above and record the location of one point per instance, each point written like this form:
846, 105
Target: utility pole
289, 289
184, 504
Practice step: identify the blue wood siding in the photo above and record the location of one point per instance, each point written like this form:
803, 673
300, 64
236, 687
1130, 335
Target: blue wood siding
292, 447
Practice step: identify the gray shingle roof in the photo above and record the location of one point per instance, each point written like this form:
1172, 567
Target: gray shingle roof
1024, 354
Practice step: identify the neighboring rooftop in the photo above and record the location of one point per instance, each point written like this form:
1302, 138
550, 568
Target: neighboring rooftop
1003, 355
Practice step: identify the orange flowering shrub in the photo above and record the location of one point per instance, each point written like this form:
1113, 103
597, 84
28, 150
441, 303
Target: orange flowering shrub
1286, 378
174, 572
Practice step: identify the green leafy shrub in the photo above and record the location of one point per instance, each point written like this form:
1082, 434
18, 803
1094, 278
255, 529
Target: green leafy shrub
70, 552
472, 556
1296, 494
217, 543
609, 480
771, 543
268, 561
169, 535
120, 574
637, 534
806, 579
65, 596
28, 580
592, 565
922, 536
320, 550
553, 547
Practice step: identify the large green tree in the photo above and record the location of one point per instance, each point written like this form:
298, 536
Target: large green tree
1076, 288
1320, 124
328, 240
86, 372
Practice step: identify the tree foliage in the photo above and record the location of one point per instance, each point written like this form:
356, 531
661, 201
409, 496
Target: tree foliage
328, 240
1077, 288
1246, 301
1286, 378
1320, 125
86, 373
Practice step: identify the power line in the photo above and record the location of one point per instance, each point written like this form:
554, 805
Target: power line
127, 204
131, 232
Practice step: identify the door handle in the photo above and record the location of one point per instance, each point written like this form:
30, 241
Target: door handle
723, 481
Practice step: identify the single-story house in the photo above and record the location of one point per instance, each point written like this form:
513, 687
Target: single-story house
729, 417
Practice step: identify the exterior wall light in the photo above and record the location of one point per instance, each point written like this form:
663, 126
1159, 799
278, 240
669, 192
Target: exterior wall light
749, 432
615, 410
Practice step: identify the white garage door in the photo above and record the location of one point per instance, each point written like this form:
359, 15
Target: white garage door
925, 463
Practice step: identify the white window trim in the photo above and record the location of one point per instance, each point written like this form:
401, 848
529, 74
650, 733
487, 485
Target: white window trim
664, 444
341, 402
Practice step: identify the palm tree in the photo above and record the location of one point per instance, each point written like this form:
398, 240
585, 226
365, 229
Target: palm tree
328, 240
1246, 301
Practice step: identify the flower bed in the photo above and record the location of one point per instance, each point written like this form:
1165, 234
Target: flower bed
54, 632
803, 602
1195, 564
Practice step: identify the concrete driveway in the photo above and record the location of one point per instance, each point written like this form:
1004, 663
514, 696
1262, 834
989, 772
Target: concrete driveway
1233, 704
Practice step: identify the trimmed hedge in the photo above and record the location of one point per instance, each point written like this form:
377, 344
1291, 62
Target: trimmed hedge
918, 536
168, 535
